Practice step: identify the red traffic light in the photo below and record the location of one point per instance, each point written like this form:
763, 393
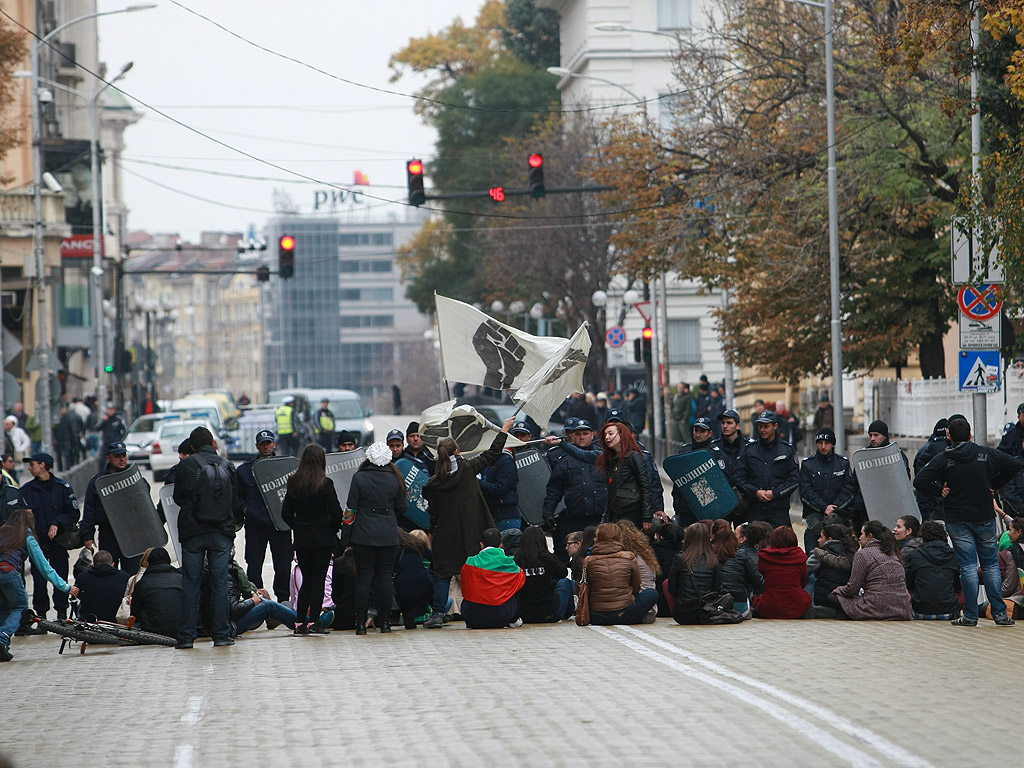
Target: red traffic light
536, 160
288, 243
648, 332
415, 167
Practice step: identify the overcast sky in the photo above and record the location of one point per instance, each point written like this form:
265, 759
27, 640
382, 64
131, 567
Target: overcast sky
279, 111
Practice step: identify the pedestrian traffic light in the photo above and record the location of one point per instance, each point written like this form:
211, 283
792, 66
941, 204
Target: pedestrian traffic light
262, 273
286, 257
414, 175
648, 334
536, 175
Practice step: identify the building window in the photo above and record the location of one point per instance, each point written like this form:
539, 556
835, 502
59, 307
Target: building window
366, 238
673, 14
367, 321
365, 265
367, 294
73, 295
684, 342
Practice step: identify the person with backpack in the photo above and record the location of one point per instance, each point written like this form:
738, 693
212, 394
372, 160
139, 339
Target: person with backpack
205, 491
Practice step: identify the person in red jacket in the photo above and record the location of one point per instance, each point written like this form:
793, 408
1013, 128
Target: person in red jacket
784, 566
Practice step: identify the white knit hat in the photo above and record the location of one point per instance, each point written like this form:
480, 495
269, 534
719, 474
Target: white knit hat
379, 454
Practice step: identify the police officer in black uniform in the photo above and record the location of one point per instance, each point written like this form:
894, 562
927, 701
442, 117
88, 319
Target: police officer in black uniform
259, 529
826, 487
930, 507
767, 473
416, 451
731, 442
93, 514
56, 509
112, 428
580, 484
702, 433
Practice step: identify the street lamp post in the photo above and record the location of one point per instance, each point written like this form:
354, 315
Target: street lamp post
43, 412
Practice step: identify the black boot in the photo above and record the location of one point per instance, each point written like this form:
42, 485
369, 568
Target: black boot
385, 624
360, 622
410, 621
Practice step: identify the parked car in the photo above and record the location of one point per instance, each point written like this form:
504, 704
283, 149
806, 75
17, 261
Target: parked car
164, 450
141, 434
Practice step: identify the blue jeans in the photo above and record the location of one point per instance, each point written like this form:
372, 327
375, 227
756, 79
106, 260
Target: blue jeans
974, 543
564, 590
13, 602
216, 548
441, 589
263, 610
512, 524
634, 614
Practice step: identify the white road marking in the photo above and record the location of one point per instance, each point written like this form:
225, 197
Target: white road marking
183, 756
890, 750
191, 716
803, 727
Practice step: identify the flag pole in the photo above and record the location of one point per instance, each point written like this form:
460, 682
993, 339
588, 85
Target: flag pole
440, 346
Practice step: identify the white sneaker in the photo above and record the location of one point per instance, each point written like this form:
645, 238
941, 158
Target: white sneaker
516, 624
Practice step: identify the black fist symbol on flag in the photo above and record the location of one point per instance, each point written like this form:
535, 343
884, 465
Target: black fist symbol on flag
500, 352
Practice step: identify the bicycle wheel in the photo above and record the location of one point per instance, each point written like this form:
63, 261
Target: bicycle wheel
137, 636
77, 633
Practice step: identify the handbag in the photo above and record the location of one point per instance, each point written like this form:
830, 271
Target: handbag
716, 607
583, 607
70, 538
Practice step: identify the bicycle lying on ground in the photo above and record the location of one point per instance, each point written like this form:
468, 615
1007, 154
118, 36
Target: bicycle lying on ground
98, 632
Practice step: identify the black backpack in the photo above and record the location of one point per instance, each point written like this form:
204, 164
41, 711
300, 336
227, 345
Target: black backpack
211, 499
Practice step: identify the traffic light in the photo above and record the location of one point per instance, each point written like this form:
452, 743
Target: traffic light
648, 334
262, 273
414, 175
286, 257
536, 175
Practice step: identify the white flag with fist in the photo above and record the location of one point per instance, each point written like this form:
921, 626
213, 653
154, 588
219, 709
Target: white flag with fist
543, 392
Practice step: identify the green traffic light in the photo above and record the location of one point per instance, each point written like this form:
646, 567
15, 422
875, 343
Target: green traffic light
108, 368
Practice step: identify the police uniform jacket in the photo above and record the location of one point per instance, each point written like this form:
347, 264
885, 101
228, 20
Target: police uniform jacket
10, 500
731, 454
424, 459
929, 506
579, 483
249, 501
53, 503
679, 505
93, 513
768, 466
500, 485
826, 480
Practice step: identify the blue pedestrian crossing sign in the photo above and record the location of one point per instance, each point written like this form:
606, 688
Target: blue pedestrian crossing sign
980, 371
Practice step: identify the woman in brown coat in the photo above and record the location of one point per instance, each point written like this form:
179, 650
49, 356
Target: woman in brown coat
613, 574
878, 571
458, 513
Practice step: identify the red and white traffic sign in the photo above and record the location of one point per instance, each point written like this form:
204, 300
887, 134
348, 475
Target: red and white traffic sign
980, 302
615, 336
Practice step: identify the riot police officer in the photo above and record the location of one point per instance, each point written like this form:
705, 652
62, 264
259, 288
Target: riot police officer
580, 484
94, 515
826, 487
702, 433
767, 473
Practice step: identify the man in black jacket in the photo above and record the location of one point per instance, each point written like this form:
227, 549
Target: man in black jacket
1014, 437
101, 588
416, 451
579, 483
826, 486
499, 484
156, 598
930, 507
965, 476
701, 442
206, 530
767, 473
94, 516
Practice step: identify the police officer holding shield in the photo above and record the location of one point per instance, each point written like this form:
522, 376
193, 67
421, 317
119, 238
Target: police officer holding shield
93, 514
702, 432
580, 484
259, 529
826, 487
767, 473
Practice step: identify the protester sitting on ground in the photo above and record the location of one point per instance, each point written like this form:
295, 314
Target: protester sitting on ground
695, 574
613, 574
491, 581
295, 584
250, 606
586, 544
414, 581
877, 588
17, 544
739, 565
311, 509
784, 566
126, 601
1012, 592
101, 588
510, 539
830, 562
666, 541
573, 545
636, 542
343, 590
1012, 541
458, 513
156, 597
907, 533
546, 595
933, 575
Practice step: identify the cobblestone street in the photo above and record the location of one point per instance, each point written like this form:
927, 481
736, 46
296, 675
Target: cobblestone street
761, 693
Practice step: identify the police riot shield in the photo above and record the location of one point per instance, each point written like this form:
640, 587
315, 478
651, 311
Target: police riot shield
416, 477
271, 476
340, 468
533, 481
703, 483
171, 511
131, 512
884, 484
